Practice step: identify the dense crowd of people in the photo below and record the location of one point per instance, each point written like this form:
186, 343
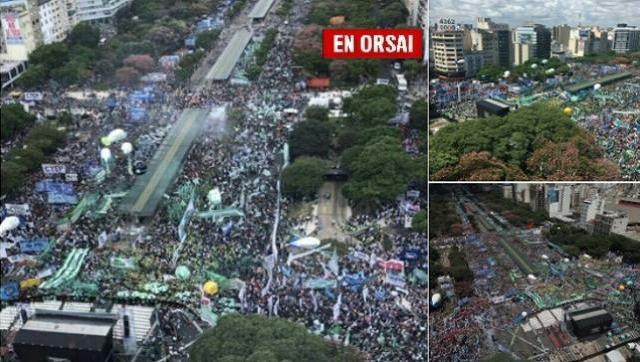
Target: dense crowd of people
360, 307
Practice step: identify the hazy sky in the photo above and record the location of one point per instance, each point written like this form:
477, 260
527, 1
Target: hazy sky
548, 12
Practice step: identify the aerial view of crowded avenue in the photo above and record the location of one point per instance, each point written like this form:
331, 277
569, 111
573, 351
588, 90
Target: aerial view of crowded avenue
192, 180
320, 180
534, 272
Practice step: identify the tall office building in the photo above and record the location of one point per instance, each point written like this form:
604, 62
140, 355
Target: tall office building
610, 222
484, 41
502, 36
423, 23
538, 198
543, 42
591, 208
418, 16
448, 53
626, 39
558, 201
522, 52
587, 41
560, 36
531, 41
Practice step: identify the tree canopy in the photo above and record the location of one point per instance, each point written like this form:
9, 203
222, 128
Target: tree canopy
379, 171
303, 177
531, 142
310, 138
262, 339
14, 120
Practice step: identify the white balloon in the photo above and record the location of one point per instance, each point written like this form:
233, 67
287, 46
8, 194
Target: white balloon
307, 243
117, 135
105, 154
597, 86
435, 299
126, 148
9, 224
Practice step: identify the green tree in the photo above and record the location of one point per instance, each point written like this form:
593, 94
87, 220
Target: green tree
46, 137
303, 177
207, 39
490, 73
14, 120
419, 221
311, 138
84, 35
535, 139
33, 77
259, 338
418, 115
29, 157
380, 172
316, 113
72, 72
50, 56
12, 177
413, 69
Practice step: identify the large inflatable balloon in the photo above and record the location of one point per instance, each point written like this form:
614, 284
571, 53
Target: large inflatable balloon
182, 272
214, 196
210, 287
126, 148
117, 135
436, 299
9, 224
307, 243
105, 154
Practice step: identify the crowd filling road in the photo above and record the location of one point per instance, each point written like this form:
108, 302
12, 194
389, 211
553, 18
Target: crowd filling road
371, 293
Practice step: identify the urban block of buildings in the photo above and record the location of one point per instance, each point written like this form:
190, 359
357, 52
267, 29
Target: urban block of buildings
600, 211
460, 50
28, 24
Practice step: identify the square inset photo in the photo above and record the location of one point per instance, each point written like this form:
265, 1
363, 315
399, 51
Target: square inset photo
535, 272
534, 90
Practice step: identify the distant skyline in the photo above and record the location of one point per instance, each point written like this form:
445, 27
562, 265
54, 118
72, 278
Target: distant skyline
548, 12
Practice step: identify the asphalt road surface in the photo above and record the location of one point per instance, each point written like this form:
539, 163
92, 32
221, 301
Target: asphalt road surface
333, 212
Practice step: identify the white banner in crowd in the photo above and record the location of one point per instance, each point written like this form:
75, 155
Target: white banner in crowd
71, 177
17, 209
52, 169
33, 96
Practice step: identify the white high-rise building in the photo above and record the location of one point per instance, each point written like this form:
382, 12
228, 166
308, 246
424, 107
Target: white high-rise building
54, 20
591, 208
98, 10
448, 54
559, 201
